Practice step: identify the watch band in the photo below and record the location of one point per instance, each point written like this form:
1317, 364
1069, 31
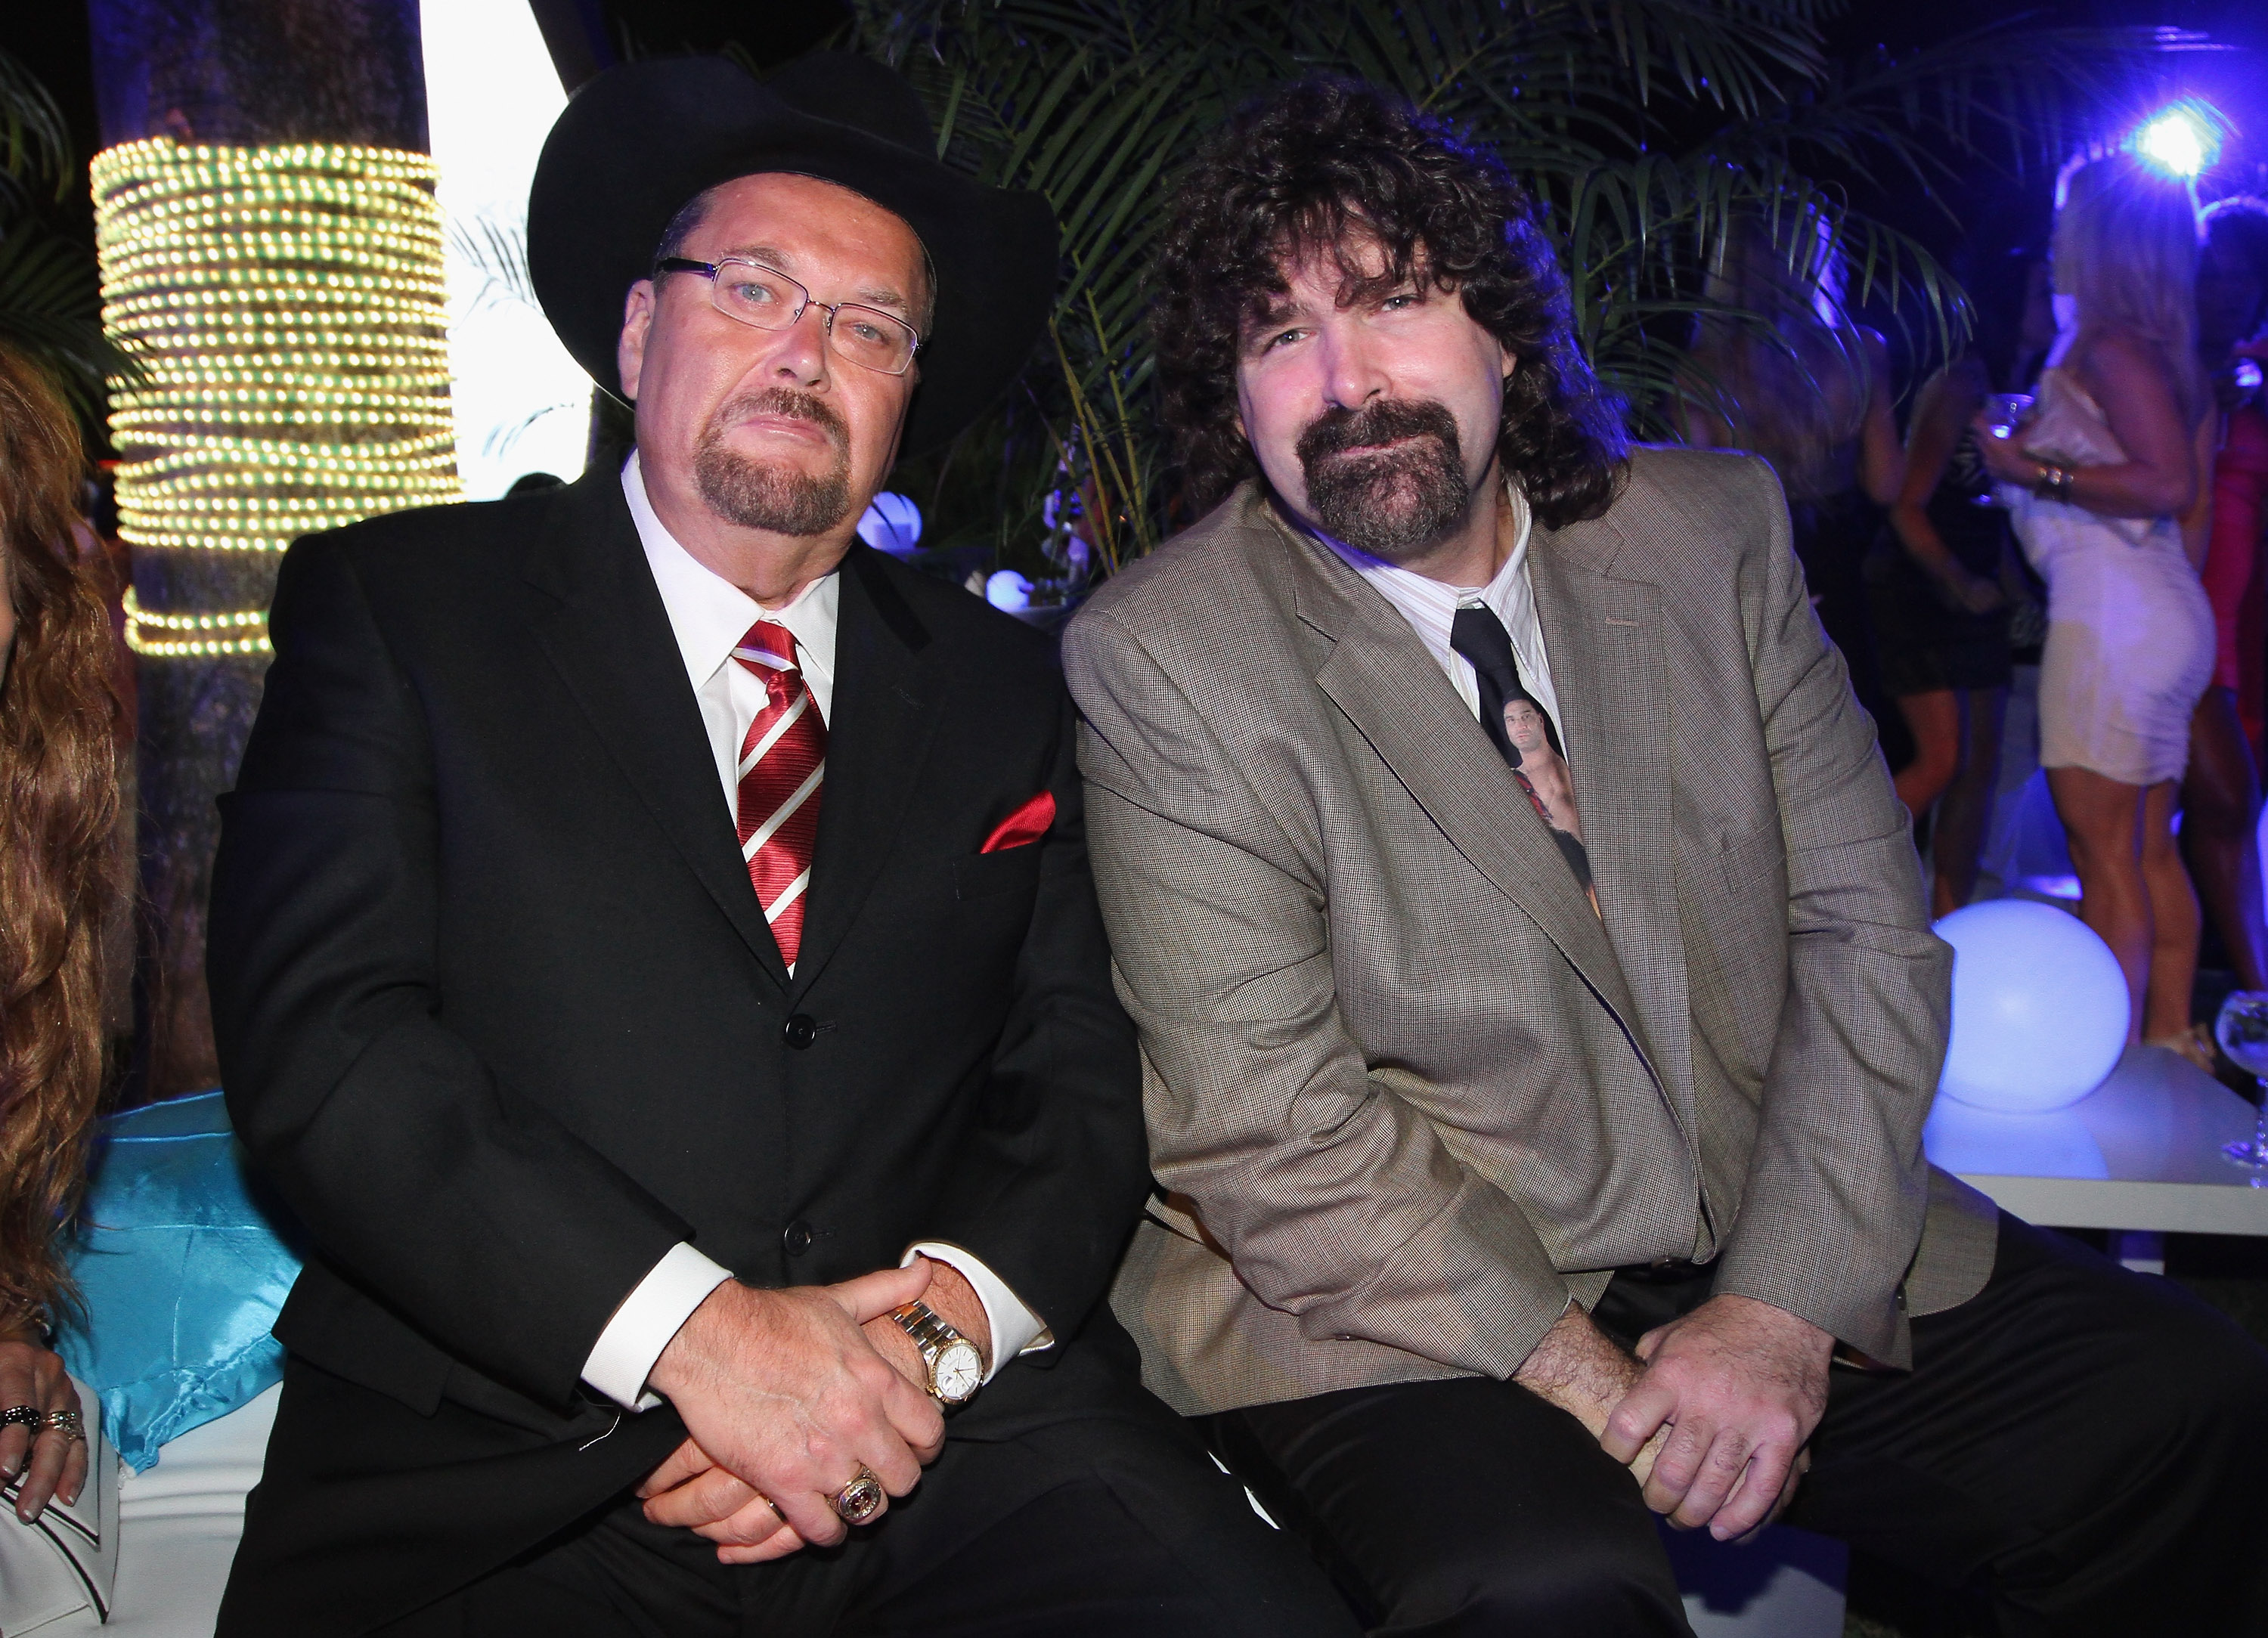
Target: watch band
925, 1325
931, 1335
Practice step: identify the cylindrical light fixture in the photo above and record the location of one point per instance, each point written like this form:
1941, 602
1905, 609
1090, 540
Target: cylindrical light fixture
286, 303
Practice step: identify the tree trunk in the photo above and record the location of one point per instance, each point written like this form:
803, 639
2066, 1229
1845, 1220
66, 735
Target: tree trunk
237, 73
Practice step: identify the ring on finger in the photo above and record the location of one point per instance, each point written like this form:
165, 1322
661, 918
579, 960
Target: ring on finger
69, 1424
861, 1499
769, 1503
22, 1416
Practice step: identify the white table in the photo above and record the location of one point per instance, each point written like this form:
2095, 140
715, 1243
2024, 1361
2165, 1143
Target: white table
2141, 1155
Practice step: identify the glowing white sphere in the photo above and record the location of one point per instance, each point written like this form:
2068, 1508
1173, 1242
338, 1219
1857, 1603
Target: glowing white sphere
2039, 1008
891, 523
1005, 588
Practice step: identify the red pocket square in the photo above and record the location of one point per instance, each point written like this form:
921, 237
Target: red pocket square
1026, 824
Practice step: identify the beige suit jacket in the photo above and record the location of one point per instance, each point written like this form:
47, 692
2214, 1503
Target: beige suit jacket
1407, 1093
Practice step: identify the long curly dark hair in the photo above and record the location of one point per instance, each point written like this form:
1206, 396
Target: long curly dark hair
1315, 169
59, 739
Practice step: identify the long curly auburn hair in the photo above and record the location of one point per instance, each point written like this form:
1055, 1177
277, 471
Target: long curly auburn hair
59, 722
1319, 168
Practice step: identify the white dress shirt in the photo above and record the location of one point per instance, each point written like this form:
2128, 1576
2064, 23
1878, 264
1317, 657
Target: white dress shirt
1431, 607
710, 615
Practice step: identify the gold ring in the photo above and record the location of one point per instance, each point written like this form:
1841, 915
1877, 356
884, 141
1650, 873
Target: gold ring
68, 1424
861, 1499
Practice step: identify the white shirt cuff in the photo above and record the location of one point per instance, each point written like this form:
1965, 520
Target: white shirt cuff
649, 1316
1016, 1329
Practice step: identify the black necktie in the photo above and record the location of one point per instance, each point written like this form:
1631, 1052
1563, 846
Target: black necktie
1480, 637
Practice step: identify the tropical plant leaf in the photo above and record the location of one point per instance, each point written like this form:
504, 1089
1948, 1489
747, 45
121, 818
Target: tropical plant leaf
51, 292
498, 252
34, 143
51, 309
1643, 129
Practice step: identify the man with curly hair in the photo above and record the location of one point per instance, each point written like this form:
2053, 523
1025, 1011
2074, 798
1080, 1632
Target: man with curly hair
1521, 1171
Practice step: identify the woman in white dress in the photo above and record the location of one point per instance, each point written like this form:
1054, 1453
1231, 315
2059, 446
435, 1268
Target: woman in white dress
2105, 482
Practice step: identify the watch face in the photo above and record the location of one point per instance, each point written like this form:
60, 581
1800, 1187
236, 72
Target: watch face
959, 1371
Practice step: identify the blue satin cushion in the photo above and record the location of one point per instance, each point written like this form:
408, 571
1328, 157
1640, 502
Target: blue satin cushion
183, 1270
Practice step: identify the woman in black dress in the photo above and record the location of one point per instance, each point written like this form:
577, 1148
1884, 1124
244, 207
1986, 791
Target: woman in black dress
1943, 582
1785, 373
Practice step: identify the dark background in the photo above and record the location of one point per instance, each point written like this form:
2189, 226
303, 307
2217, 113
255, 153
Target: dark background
52, 41
1987, 213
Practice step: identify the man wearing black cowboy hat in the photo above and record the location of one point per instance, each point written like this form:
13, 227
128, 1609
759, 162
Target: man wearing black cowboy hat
653, 952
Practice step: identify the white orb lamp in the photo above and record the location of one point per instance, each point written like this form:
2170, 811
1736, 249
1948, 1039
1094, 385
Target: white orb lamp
892, 523
1005, 588
2040, 1008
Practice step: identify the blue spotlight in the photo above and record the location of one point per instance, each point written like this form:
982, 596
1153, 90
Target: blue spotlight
2182, 140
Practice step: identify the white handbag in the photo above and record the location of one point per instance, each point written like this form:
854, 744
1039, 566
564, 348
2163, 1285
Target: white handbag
66, 1564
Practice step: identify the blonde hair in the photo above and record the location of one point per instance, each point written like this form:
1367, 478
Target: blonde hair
2126, 250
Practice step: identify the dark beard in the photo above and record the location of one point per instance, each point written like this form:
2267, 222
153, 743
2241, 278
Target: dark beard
1392, 504
758, 496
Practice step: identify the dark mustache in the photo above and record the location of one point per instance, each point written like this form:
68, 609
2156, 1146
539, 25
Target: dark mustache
786, 402
1382, 422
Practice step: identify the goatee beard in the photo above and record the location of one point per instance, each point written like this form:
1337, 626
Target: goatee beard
758, 496
1392, 504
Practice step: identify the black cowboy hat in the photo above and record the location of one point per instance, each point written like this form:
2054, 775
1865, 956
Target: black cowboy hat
639, 142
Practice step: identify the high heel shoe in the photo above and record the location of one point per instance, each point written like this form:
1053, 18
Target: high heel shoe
2192, 1044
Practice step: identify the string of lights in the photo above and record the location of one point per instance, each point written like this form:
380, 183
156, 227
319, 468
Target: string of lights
242, 632
288, 308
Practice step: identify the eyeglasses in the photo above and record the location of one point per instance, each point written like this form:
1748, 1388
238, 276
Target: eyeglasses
770, 300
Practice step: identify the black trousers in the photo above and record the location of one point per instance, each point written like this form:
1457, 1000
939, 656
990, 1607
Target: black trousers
2075, 1443
1106, 1524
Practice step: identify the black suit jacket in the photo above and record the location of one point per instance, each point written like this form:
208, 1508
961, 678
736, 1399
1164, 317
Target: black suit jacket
500, 1016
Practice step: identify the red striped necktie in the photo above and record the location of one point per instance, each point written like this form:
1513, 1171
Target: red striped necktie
782, 761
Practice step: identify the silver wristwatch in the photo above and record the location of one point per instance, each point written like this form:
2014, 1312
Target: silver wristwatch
956, 1370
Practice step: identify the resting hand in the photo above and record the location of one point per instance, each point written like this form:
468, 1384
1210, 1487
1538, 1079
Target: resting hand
30, 1375
1971, 593
692, 1492
786, 1397
955, 1301
1581, 1369
1739, 1385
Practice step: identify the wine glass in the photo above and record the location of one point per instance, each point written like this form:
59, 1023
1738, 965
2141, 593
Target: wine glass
2242, 1028
2007, 411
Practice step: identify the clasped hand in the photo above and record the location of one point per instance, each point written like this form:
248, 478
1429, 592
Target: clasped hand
1737, 1386
1713, 1416
785, 1394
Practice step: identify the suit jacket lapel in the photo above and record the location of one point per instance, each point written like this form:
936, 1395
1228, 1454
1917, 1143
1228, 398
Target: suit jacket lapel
1604, 639
1381, 677
599, 618
886, 697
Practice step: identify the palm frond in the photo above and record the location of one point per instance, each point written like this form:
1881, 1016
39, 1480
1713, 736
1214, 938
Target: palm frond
51, 292
1643, 129
34, 143
498, 252
51, 309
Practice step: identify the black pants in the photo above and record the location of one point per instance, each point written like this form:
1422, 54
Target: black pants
2075, 1442
1105, 1525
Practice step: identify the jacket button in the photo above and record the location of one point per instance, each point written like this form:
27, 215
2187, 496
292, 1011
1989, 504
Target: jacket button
797, 1238
799, 1031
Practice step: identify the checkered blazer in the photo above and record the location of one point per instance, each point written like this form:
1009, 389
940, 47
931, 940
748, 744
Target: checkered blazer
1406, 1093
